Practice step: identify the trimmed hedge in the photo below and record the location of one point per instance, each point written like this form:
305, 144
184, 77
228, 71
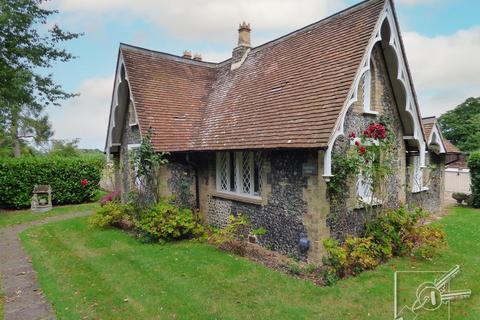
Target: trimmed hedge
474, 166
64, 174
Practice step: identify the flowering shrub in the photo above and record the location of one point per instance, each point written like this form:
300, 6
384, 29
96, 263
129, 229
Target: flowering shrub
111, 197
84, 182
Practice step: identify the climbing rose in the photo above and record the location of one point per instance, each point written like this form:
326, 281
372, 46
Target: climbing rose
376, 131
357, 143
361, 150
84, 182
352, 135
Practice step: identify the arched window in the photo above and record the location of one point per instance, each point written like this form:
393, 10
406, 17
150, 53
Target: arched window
368, 89
132, 116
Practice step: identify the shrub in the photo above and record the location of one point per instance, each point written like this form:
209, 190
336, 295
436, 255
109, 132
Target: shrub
362, 254
111, 197
110, 214
336, 256
65, 175
459, 196
429, 239
391, 230
354, 256
294, 268
237, 229
259, 232
165, 221
232, 237
393, 233
474, 166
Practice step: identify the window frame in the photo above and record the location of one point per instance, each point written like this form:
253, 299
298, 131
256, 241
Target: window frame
132, 115
367, 87
238, 174
417, 175
132, 148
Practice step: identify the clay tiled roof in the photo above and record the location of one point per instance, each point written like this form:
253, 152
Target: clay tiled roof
170, 95
428, 124
450, 148
287, 93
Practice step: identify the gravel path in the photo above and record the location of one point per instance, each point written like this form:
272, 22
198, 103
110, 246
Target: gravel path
23, 298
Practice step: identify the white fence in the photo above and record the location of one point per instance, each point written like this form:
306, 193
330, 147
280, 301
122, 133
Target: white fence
457, 180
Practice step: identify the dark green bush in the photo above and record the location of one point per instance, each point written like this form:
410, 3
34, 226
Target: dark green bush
165, 221
459, 196
19, 176
474, 166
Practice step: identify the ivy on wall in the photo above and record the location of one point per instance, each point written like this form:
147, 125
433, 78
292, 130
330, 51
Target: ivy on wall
146, 163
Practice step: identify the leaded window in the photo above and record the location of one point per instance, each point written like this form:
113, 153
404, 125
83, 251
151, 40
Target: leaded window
368, 88
132, 116
364, 188
239, 172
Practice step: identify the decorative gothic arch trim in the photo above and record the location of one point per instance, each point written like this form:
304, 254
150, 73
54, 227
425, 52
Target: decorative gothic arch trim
385, 30
436, 138
119, 107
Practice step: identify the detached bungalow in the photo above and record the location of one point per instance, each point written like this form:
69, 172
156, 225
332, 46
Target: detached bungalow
258, 133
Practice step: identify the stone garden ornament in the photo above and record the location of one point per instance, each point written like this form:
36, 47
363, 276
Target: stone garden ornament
42, 198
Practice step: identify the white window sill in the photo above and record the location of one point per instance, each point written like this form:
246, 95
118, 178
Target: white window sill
371, 112
362, 203
421, 190
238, 197
133, 124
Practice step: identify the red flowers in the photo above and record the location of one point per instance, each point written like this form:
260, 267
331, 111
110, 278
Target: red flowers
357, 143
112, 196
361, 150
352, 135
376, 131
84, 182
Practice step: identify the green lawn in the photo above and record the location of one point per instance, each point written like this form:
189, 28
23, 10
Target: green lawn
109, 275
13, 217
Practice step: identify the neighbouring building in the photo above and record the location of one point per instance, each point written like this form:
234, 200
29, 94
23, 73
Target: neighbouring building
259, 133
457, 173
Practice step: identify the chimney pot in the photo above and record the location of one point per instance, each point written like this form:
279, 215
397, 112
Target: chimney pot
197, 57
244, 34
187, 54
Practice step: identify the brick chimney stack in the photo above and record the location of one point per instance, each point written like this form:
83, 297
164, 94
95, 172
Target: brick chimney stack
240, 53
187, 54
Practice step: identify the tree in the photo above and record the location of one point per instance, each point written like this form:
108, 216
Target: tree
65, 148
462, 125
24, 54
